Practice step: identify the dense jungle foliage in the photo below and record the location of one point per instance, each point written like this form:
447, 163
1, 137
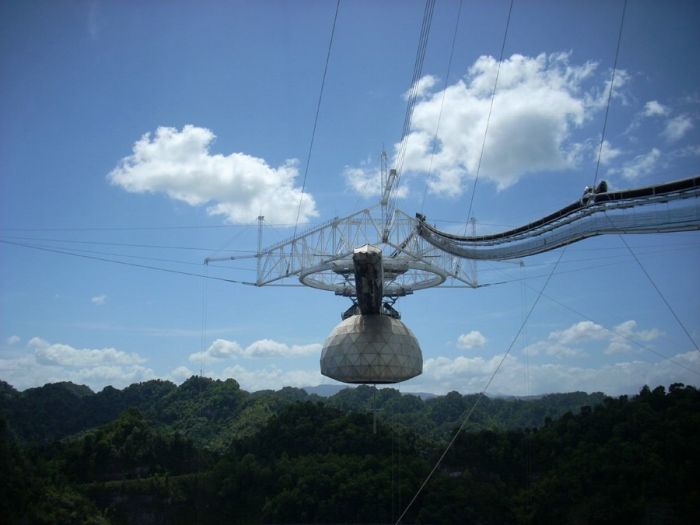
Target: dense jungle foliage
209, 452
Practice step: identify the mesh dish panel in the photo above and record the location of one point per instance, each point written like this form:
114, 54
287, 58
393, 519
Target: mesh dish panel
371, 349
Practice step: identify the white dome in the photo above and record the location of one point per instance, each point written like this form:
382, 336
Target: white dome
371, 349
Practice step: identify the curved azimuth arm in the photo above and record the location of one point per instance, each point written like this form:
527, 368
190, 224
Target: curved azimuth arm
669, 207
416, 255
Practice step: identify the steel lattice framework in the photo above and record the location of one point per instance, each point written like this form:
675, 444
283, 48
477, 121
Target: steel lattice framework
322, 256
416, 256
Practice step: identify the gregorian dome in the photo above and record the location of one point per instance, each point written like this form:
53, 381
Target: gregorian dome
371, 349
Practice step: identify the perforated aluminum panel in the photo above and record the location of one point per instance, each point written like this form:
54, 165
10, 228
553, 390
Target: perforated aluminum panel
371, 349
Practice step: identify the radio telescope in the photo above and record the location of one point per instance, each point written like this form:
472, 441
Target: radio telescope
378, 254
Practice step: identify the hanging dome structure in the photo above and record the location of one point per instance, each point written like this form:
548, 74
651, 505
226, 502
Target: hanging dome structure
371, 349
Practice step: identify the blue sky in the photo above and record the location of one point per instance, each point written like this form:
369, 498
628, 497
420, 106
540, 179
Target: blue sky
156, 132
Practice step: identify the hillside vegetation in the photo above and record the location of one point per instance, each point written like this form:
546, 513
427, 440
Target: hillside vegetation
209, 452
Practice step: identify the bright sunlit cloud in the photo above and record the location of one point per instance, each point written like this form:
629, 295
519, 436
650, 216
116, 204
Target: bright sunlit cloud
473, 339
677, 127
223, 349
654, 108
539, 101
572, 340
516, 376
52, 362
237, 186
639, 166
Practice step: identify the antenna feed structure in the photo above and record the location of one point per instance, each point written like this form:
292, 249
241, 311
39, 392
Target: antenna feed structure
371, 344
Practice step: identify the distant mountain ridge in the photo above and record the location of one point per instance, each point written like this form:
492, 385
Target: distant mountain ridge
214, 412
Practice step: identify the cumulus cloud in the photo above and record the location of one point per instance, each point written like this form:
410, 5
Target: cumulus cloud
273, 377
538, 103
223, 349
570, 341
238, 187
421, 87
66, 355
677, 127
623, 335
99, 300
471, 374
639, 166
13, 340
473, 339
52, 362
608, 153
180, 374
655, 109
366, 181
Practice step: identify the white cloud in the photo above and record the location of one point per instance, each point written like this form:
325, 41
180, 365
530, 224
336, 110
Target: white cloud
470, 374
581, 331
569, 342
237, 186
539, 101
13, 340
421, 87
639, 166
50, 363
687, 151
99, 300
366, 181
273, 378
654, 109
473, 339
66, 355
677, 127
222, 349
180, 374
270, 348
623, 335
608, 153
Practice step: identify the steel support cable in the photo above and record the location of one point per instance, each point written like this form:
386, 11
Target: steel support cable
626, 338
658, 291
127, 228
417, 72
610, 93
484, 390
600, 150
123, 263
318, 110
488, 118
122, 244
124, 255
205, 309
412, 97
442, 102
141, 257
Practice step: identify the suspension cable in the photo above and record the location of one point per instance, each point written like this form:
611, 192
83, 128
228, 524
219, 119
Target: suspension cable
442, 103
483, 390
318, 110
610, 93
123, 263
658, 291
412, 98
625, 337
488, 118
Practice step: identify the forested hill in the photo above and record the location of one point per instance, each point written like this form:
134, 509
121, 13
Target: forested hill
213, 412
286, 457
